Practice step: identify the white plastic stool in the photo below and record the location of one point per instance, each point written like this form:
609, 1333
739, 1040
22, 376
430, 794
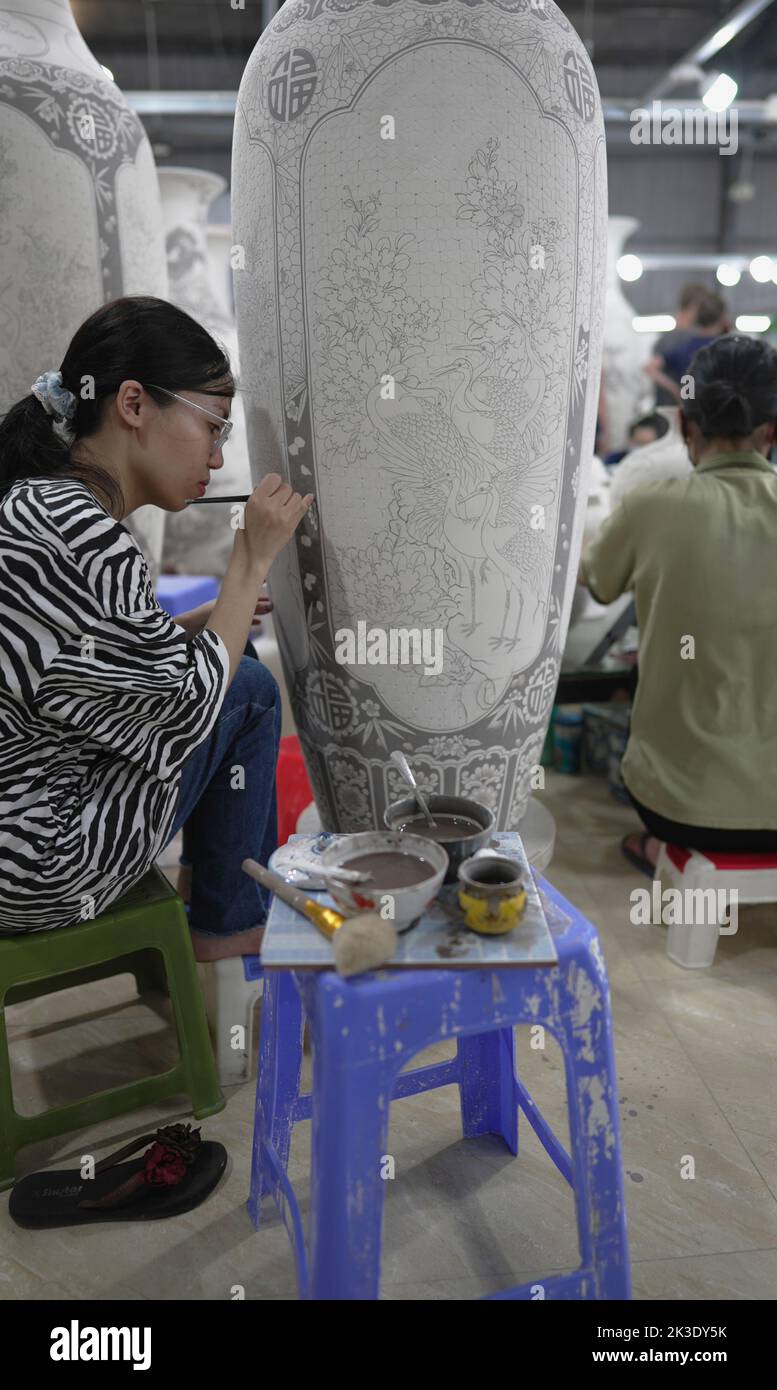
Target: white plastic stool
230, 990
753, 877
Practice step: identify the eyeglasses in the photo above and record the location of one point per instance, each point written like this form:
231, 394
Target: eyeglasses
226, 425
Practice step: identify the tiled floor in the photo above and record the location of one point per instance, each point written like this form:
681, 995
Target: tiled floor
697, 1063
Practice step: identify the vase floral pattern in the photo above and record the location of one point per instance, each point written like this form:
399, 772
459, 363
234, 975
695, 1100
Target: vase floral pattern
80, 218
420, 326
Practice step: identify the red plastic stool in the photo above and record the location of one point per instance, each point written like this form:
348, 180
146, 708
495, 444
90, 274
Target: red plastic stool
292, 787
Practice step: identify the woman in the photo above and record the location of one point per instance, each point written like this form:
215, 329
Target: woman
117, 724
700, 554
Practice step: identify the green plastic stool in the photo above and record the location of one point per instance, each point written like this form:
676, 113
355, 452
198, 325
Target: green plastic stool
149, 920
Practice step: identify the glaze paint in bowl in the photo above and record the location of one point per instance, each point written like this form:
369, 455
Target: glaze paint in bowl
391, 869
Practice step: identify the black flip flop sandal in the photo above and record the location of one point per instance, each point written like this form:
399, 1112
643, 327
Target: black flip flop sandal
640, 861
179, 1171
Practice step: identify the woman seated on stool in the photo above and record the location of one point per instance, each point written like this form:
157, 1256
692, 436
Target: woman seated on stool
118, 725
700, 555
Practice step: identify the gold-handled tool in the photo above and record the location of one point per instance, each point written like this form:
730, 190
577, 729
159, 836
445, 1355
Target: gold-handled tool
359, 943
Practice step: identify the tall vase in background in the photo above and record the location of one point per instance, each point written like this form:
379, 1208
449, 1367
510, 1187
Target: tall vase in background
199, 540
80, 217
219, 238
626, 389
419, 198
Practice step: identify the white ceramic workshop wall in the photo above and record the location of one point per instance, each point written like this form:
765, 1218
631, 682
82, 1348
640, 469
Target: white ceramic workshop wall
628, 392
80, 218
465, 257
199, 540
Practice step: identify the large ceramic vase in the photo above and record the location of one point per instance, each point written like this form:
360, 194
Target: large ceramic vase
80, 217
199, 540
419, 201
626, 389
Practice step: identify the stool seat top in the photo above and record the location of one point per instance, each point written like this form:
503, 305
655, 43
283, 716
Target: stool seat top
439, 939
723, 861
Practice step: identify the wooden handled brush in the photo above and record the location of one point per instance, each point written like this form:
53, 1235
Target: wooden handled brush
358, 943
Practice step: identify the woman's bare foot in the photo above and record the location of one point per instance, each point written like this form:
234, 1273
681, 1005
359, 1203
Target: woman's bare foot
242, 943
651, 847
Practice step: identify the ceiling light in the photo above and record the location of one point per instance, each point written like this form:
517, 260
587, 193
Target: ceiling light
653, 323
728, 274
762, 268
753, 323
720, 92
630, 268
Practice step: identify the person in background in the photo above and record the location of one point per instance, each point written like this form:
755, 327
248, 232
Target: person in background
666, 457
646, 430
698, 553
701, 315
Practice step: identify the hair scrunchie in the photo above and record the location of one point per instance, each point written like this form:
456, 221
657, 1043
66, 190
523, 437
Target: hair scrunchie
57, 401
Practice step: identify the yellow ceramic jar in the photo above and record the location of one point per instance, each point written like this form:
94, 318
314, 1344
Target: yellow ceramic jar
491, 894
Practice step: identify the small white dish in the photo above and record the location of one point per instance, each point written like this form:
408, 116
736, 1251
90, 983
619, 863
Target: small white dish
288, 860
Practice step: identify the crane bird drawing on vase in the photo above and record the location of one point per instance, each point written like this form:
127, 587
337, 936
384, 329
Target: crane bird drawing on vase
493, 410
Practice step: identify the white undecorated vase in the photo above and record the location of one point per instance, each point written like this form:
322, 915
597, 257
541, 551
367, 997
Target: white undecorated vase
199, 540
80, 217
627, 390
419, 199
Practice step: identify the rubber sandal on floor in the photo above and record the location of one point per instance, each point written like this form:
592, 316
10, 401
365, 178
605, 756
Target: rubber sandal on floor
176, 1174
640, 861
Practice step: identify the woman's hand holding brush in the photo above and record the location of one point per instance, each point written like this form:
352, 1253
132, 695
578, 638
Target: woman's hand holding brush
271, 516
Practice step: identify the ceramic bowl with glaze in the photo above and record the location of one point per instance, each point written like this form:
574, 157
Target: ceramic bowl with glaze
407, 903
457, 850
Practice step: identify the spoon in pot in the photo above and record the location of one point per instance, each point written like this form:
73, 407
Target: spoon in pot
401, 762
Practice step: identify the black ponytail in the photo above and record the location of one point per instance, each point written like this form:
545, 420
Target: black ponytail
735, 387
135, 338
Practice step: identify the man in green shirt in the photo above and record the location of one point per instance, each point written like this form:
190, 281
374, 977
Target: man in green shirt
700, 555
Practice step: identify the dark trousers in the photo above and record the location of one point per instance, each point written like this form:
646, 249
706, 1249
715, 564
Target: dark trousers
701, 837
225, 817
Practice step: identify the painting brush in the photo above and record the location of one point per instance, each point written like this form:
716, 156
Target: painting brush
198, 501
359, 943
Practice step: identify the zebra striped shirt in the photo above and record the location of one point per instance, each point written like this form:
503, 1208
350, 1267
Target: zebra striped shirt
102, 700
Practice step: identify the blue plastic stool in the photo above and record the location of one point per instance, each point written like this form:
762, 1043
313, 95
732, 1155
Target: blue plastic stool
365, 1030
177, 593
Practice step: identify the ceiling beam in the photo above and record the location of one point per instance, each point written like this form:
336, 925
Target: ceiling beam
715, 41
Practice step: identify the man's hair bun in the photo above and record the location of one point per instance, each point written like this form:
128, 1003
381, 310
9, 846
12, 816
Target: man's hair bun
734, 387
725, 411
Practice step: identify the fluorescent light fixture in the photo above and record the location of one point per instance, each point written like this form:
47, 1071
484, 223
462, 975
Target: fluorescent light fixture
629, 268
108, 73
753, 323
723, 37
762, 269
720, 93
653, 323
728, 274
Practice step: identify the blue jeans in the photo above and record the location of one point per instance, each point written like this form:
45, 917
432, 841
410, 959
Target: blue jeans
226, 804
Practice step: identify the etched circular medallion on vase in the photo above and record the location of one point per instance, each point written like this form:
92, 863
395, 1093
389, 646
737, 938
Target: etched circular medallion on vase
199, 540
80, 217
419, 198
